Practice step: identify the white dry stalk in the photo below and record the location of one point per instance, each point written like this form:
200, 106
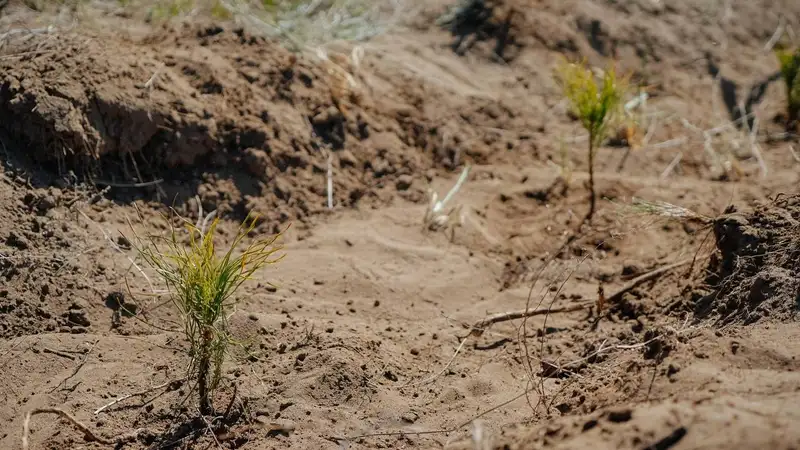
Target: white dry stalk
724, 21
337, 69
671, 167
794, 153
716, 160
150, 83
480, 439
776, 36
436, 217
135, 394
639, 100
756, 150
203, 221
667, 144
343, 70
116, 247
715, 157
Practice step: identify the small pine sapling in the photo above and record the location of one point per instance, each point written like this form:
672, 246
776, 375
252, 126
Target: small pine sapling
595, 103
202, 285
789, 60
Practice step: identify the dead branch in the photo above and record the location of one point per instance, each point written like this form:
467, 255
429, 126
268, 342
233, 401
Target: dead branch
58, 353
90, 435
479, 327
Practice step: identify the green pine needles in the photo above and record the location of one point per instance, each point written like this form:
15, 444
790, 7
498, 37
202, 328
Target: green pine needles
202, 285
789, 60
595, 102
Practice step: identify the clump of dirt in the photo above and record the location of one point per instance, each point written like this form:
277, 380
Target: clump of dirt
755, 273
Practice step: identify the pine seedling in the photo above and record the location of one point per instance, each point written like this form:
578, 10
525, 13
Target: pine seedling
789, 60
595, 102
202, 285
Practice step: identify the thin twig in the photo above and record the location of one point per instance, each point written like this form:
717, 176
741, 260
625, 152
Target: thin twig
129, 185
77, 367
233, 400
59, 353
444, 369
90, 435
617, 296
69, 417
135, 394
776, 36
794, 153
672, 165
667, 144
118, 249
479, 327
151, 82
210, 430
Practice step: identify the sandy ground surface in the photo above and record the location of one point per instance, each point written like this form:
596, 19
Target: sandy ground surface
105, 125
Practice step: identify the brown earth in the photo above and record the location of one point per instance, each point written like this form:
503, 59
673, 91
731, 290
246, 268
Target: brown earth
103, 127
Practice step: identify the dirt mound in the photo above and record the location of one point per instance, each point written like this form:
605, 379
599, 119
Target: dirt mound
755, 273
234, 118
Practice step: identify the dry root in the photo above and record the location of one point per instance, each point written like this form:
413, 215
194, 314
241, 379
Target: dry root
90, 435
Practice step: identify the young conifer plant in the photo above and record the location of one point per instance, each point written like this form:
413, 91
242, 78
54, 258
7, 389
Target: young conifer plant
202, 286
596, 103
789, 60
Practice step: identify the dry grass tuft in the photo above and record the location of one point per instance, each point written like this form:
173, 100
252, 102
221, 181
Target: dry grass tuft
438, 216
667, 210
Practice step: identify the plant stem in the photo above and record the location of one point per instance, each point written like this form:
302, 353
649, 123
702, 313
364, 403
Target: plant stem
591, 178
202, 375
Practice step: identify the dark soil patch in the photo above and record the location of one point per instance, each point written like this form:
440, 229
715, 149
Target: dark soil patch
755, 273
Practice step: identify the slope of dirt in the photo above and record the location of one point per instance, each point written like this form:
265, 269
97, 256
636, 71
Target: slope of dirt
204, 110
366, 342
755, 274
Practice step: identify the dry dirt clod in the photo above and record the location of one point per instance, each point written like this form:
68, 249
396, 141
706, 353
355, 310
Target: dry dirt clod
78, 317
17, 241
404, 182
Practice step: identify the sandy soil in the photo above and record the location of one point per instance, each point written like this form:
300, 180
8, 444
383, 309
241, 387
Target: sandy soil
102, 128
